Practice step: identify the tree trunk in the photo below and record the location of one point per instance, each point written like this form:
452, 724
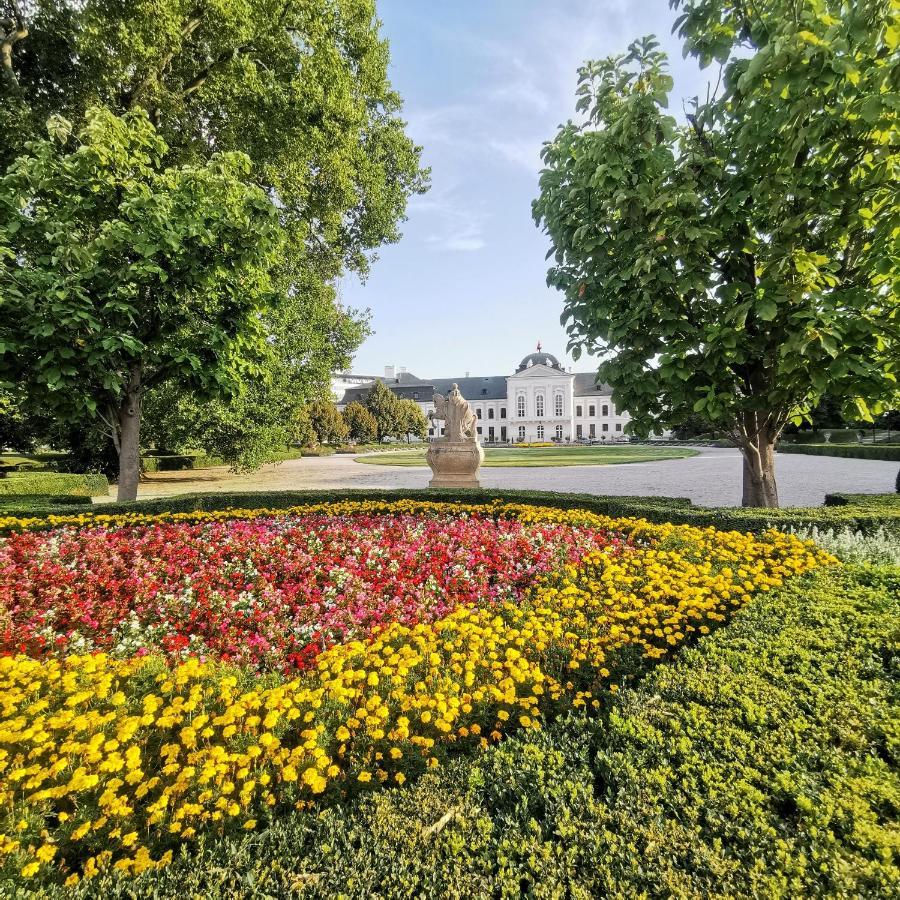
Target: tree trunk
759, 471
129, 428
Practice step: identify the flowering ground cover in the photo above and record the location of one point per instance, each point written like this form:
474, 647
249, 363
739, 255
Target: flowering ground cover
208, 671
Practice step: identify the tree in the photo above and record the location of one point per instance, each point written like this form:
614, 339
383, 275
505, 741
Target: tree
327, 423
743, 263
267, 411
300, 87
412, 420
383, 405
361, 424
119, 274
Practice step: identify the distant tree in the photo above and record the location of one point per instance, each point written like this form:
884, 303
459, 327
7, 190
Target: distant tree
692, 426
744, 263
118, 274
412, 420
327, 423
385, 408
361, 424
302, 434
16, 428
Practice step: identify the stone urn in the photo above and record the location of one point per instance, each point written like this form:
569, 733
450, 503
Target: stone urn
454, 463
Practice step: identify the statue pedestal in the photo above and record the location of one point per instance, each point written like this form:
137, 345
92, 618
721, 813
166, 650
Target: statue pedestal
454, 463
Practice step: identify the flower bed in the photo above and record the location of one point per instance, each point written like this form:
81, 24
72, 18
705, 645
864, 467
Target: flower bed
373, 639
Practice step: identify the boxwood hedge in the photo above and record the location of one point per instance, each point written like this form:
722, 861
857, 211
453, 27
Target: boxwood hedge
852, 451
53, 483
762, 762
866, 516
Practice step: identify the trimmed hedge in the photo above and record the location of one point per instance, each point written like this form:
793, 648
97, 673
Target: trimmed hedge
847, 451
866, 518
763, 762
49, 483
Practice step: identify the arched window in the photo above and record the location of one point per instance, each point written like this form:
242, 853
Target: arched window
521, 432
520, 406
559, 432
605, 410
558, 405
539, 405
540, 432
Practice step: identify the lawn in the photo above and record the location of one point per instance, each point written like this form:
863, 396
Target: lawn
544, 456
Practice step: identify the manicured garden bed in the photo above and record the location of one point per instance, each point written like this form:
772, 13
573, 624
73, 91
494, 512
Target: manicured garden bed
258, 666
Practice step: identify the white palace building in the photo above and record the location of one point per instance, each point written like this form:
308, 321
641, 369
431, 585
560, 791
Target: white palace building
540, 401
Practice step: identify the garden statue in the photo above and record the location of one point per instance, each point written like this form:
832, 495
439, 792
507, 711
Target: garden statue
456, 456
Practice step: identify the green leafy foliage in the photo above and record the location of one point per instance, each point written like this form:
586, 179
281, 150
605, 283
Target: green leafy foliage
760, 763
384, 407
742, 264
327, 423
412, 421
52, 484
361, 425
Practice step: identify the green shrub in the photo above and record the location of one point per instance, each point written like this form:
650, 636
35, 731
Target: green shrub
762, 762
54, 483
866, 517
883, 502
850, 451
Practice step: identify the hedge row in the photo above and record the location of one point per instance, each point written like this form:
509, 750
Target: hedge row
875, 513
50, 483
849, 451
871, 516
761, 763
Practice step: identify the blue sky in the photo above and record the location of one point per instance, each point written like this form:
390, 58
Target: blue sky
484, 84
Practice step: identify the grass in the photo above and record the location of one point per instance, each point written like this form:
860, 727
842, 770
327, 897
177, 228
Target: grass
543, 456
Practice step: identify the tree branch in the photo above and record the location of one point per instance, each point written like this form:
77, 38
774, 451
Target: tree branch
199, 79
14, 30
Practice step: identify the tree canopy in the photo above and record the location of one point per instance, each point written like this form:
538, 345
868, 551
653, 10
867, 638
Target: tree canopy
119, 274
360, 423
298, 86
740, 263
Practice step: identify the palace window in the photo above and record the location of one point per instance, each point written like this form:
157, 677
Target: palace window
479, 429
558, 405
578, 431
559, 432
415, 395
618, 426
593, 430
520, 406
592, 411
540, 432
579, 411
521, 432
478, 412
539, 405
491, 433
502, 412
605, 410
491, 413
606, 426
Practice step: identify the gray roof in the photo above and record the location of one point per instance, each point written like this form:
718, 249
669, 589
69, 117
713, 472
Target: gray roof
586, 385
490, 387
539, 359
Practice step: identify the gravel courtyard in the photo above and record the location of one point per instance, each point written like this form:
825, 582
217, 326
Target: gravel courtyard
711, 479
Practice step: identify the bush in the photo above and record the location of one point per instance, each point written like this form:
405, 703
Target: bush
866, 517
848, 451
54, 483
763, 762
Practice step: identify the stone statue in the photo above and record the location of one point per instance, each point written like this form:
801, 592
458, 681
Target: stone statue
455, 457
460, 423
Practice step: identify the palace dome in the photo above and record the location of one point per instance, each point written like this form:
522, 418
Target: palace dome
539, 359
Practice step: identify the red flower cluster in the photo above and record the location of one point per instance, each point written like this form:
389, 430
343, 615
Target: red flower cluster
269, 592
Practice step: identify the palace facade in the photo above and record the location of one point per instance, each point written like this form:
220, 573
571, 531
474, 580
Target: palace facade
540, 401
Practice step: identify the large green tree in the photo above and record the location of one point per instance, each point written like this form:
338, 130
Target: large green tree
412, 421
742, 262
299, 86
384, 406
360, 423
118, 273
327, 423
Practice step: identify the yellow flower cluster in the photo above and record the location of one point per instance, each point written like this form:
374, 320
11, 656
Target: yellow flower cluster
111, 763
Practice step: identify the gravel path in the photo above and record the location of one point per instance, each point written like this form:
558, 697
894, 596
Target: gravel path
711, 479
